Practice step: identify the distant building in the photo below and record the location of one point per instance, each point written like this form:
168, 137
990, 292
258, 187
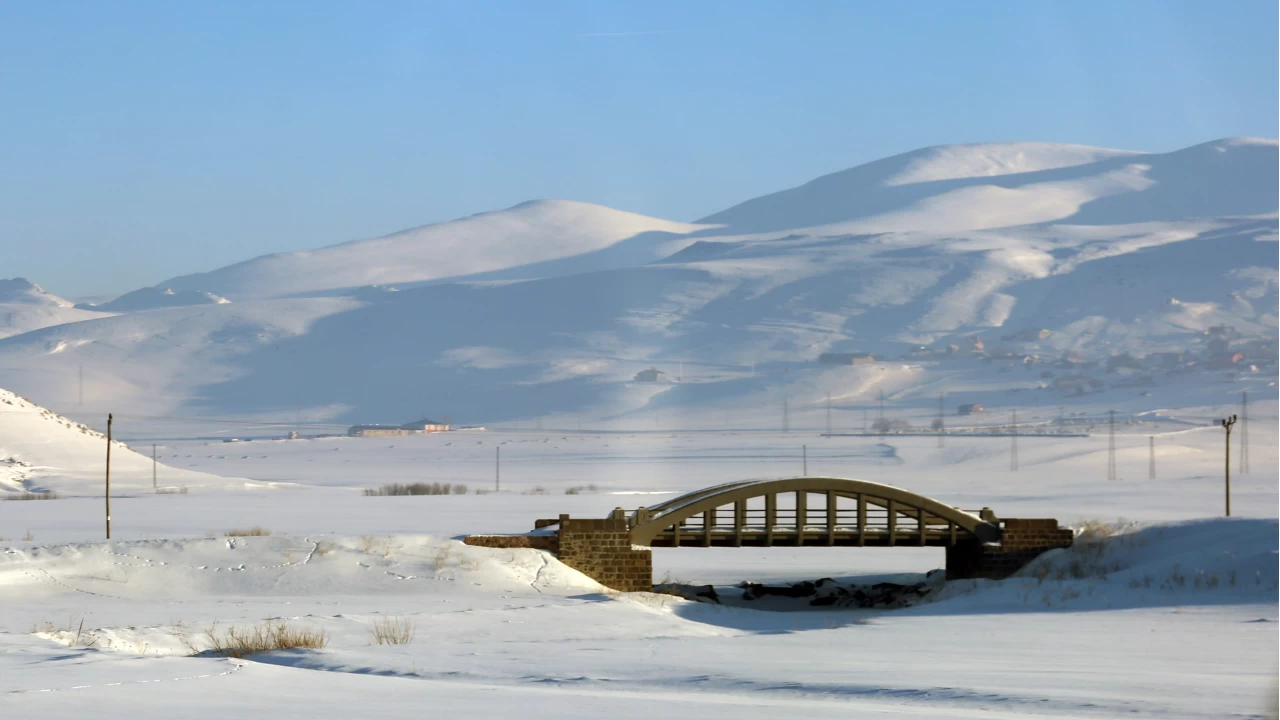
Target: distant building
413, 428
378, 431
970, 409
847, 359
427, 426
652, 375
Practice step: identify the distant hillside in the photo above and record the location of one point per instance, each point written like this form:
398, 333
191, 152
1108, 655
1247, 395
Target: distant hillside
22, 290
1033, 272
528, 233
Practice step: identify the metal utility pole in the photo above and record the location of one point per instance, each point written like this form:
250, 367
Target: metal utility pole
153, 466
942, 429
786, 415
497, 469
1244, 431
108, 493
804, 450
1111, 444
1226, 425
1151, 467
828, 414
1013, 450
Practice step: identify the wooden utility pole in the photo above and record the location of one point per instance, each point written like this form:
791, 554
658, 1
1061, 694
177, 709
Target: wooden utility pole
108, 494
153, 467
1151, 466
804, 452
1226, 425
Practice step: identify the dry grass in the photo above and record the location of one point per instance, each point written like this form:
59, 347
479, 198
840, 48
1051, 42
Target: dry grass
434, 488
254, 531
38, 495
580, 489
270, 635
1094, 530
394, 631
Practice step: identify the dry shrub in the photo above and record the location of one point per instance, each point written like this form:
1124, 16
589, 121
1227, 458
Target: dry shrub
1094, 530
434, 488
37, 495
394, 631
254, 531
270, 635
537, 490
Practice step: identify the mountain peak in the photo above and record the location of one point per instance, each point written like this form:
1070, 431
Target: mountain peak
22, 290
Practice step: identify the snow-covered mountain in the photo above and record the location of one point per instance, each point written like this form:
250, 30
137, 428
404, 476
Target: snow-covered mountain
152, 298
956, 263
532, 232
22, 290
25, 306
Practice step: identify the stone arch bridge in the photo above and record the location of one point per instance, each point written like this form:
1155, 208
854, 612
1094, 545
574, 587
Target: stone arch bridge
805, 512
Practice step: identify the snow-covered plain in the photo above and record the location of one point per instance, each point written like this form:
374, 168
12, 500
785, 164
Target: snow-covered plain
1173, 618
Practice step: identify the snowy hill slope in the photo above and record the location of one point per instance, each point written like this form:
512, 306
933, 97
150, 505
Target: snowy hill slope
25, 306
22, 290
152, 298
21, 317
43, 451
527, 233
988, 186
552, 307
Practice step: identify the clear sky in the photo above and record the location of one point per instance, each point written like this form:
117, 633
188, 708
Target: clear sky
143, 140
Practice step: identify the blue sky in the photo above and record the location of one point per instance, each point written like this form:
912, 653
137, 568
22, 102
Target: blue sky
146, 140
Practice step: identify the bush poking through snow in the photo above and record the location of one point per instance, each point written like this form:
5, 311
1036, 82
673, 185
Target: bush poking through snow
39, 495
270, 635
394, 630
580, 489
254, 531
434, 488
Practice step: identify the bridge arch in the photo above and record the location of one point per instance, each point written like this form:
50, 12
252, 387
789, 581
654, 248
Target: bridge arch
844, 512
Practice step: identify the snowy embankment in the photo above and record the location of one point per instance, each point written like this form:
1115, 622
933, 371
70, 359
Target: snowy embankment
506, 621
42, 451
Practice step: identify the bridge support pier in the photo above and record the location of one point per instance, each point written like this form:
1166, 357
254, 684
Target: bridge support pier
602, 550
1022, 541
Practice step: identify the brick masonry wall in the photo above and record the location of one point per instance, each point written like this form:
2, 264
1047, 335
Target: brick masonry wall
1021, 542
549, 543
602, 550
